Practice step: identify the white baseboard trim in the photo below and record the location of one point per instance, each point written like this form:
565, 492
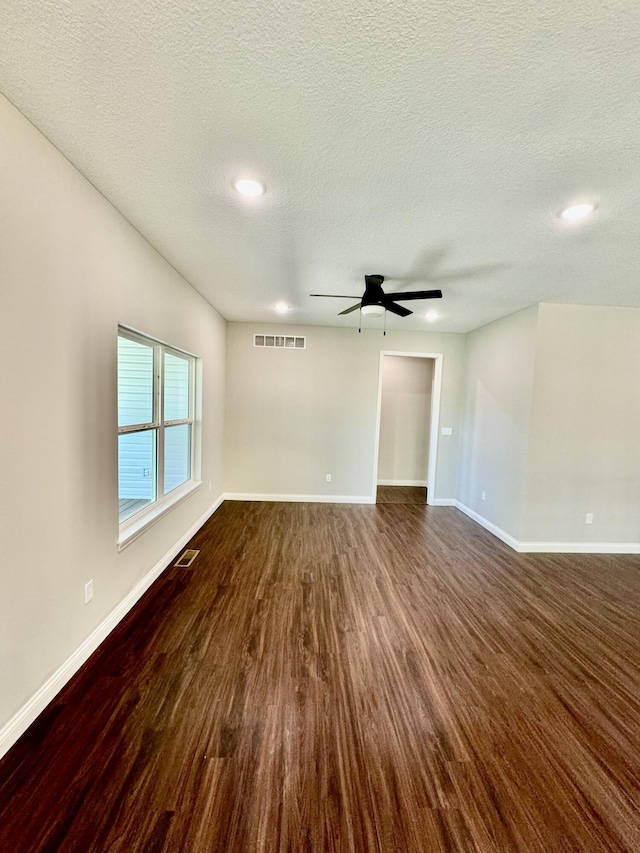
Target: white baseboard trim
579, 547
550, 547
441, 501
422, 483
311, 499
20, 722
489, 525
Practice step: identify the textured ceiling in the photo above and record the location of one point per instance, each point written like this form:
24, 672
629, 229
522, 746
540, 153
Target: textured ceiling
432, 142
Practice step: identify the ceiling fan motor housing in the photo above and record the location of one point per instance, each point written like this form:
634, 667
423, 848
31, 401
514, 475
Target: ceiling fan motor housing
373, 296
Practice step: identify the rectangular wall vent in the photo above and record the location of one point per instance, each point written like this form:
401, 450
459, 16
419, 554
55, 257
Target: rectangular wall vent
185, 560
281, 341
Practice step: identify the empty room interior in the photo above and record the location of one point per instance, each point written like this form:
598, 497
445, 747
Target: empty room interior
320, 494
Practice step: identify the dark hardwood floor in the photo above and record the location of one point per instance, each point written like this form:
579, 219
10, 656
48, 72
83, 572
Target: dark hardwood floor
348, 678
401, 495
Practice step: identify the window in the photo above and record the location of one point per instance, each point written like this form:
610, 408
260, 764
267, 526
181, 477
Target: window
156, 405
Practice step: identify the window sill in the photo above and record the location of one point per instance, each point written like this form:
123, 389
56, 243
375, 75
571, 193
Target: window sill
136, 525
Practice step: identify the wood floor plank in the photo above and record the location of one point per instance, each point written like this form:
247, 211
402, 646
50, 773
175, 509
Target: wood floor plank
401, 495
349, 679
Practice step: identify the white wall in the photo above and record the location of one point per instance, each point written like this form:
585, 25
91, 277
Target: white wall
499, 380
550, 428
294, 416
403, 456
584, 446
71, 269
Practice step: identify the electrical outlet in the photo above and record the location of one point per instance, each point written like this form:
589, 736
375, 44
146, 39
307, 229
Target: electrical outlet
483, 496
589, 519
328, 478
146, 473
88, 591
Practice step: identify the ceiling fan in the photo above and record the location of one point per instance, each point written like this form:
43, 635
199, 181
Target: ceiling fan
374, 301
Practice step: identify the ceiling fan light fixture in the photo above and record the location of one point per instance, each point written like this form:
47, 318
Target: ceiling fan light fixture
577, 211
431, 316
249, 187
372, 310
281, 307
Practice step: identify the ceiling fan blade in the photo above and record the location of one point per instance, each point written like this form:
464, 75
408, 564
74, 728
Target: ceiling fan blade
349, 310
416, 294
397, 309
334, 295
468, 272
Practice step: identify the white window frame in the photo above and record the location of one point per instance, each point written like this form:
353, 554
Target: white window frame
132, 527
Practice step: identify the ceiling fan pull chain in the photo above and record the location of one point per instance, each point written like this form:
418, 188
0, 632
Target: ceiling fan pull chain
360, 320
384, 332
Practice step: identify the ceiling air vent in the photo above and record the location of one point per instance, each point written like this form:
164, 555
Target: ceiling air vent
280, 341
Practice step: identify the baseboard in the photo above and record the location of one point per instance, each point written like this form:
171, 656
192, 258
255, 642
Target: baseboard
550, 547
579, 547
489, 525
311, 499
21, 721
333, 499
422, 483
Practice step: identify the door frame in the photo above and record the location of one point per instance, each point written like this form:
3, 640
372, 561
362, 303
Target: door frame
436, 388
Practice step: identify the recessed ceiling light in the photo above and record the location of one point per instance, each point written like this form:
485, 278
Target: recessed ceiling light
431, 316
578, 211
249, 187
281, 307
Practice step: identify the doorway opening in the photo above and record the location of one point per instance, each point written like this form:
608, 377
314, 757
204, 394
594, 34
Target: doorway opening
413, 495
407, 427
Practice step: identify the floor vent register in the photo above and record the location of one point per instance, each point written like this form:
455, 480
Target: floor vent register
185, 560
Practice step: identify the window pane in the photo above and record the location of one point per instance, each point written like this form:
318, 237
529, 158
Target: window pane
177, 456
176, 388
135, 383
136, 472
